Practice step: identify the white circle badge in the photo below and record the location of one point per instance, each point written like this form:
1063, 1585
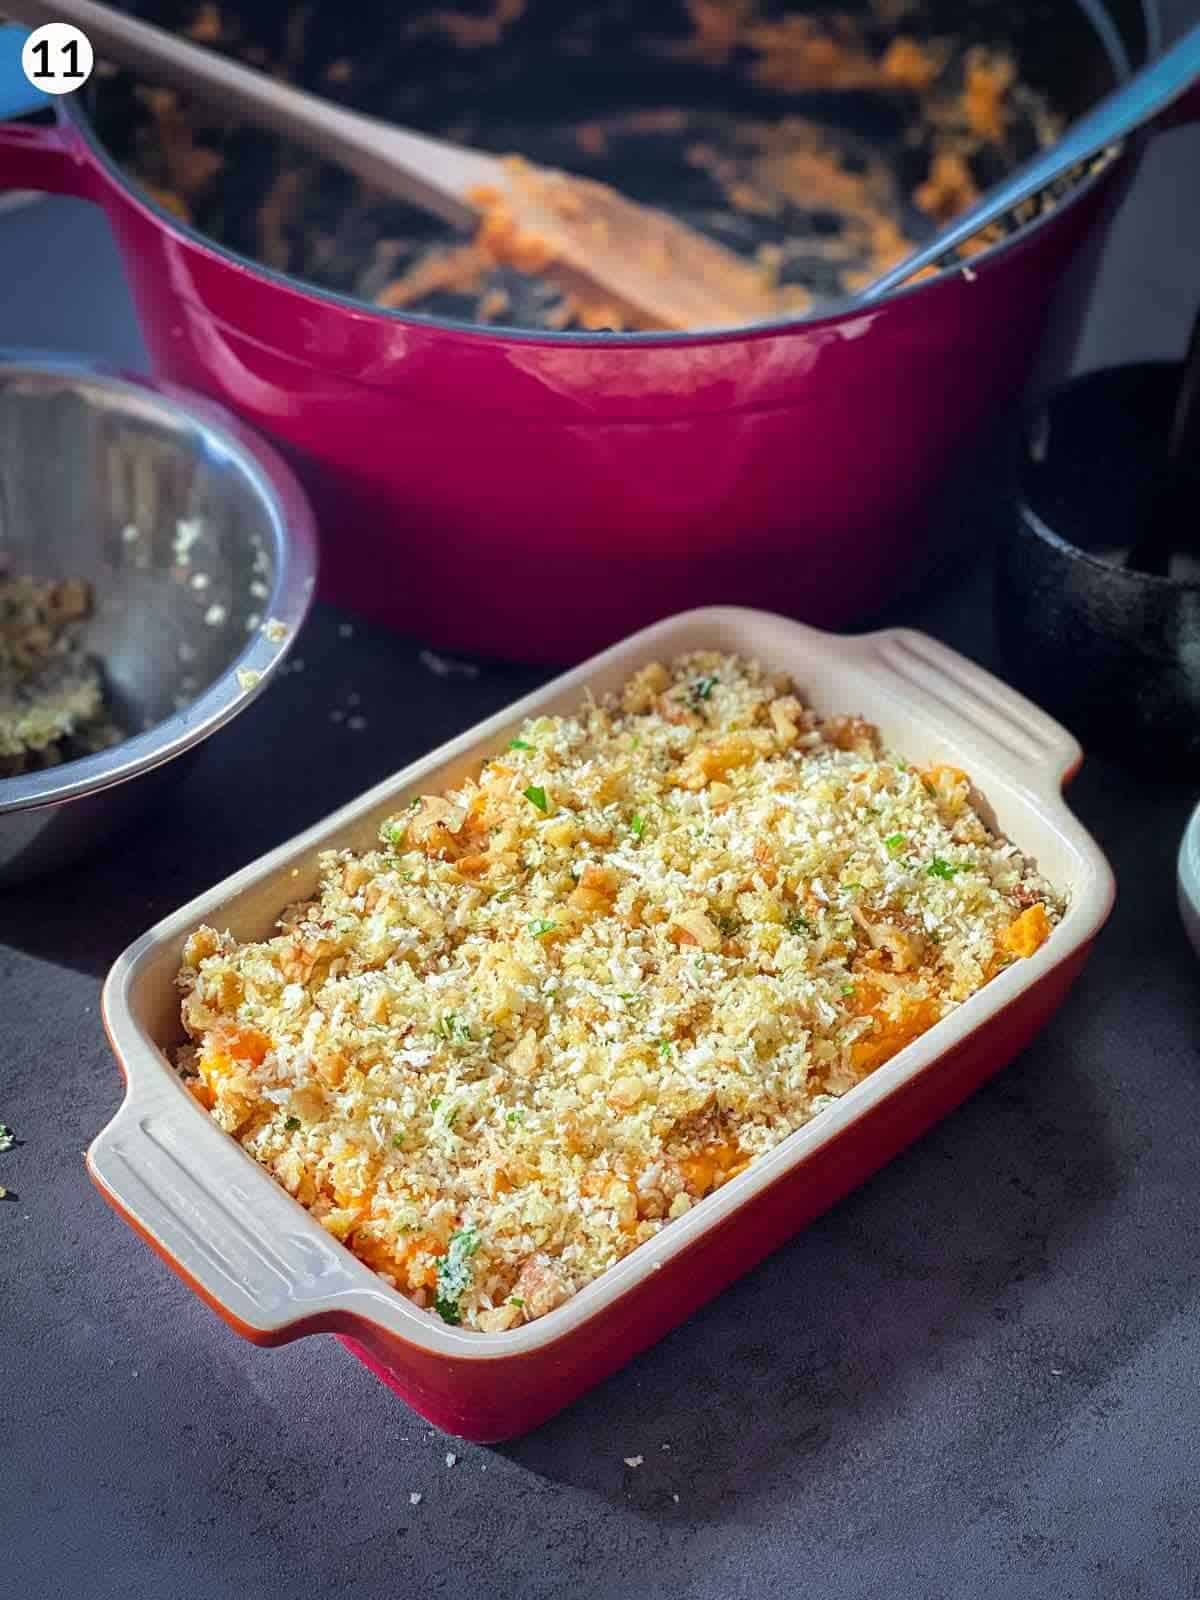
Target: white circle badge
58, 58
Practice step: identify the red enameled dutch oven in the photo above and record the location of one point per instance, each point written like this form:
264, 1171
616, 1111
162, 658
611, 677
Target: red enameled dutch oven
540, 495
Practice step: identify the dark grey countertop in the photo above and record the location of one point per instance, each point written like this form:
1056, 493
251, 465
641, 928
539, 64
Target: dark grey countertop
975, 1378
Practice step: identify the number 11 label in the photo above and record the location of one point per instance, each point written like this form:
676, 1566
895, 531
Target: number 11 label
58, 58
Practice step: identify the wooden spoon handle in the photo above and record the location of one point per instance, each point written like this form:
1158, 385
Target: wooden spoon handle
428, 172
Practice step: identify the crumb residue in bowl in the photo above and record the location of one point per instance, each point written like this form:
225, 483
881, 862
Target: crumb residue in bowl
52, 705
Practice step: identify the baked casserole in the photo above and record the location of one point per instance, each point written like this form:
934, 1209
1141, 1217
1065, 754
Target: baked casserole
559, 1004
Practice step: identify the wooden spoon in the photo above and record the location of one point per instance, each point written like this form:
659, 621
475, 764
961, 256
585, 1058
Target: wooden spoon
653, 271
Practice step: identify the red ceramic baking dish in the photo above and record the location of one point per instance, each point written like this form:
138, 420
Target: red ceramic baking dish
265, 1265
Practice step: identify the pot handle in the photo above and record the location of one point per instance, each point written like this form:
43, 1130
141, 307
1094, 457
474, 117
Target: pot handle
42, 158
244, 1245
32, 156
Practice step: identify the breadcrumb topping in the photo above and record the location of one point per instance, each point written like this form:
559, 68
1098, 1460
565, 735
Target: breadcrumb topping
557, 1006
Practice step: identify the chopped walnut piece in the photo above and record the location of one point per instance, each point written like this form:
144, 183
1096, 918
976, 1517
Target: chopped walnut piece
852, 733
540, 1287
500, 1319
524, 1057
787, 718
708, 762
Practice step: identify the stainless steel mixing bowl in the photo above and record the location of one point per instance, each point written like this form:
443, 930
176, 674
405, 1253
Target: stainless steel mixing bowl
201, 552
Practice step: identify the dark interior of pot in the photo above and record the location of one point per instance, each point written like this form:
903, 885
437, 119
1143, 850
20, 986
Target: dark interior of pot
823, 145
1092, 454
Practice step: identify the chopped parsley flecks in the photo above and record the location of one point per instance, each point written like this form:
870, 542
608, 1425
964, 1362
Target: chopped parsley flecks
895, 843
536, 796
452, 1028
519, 744
700, 690
938, 868
454, 1274
637, 825
540, 926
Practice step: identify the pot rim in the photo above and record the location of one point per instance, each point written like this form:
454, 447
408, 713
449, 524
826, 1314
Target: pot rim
293, 541
1123, 577
68, 109
1035, 524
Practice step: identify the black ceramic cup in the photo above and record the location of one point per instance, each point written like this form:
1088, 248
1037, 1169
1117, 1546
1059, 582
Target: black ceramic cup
1113, 652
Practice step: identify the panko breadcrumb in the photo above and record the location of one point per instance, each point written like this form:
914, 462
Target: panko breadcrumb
561, 1003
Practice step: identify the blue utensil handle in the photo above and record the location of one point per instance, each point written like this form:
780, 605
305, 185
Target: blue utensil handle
18, 97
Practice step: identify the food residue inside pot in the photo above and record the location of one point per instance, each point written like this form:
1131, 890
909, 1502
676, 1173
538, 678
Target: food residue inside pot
52, 697
820, 148
545, 223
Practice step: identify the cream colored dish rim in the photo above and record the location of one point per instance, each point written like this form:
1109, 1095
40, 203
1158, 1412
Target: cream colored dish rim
259, 1254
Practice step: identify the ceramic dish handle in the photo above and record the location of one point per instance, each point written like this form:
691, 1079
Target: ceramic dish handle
191, 1192
969, 701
